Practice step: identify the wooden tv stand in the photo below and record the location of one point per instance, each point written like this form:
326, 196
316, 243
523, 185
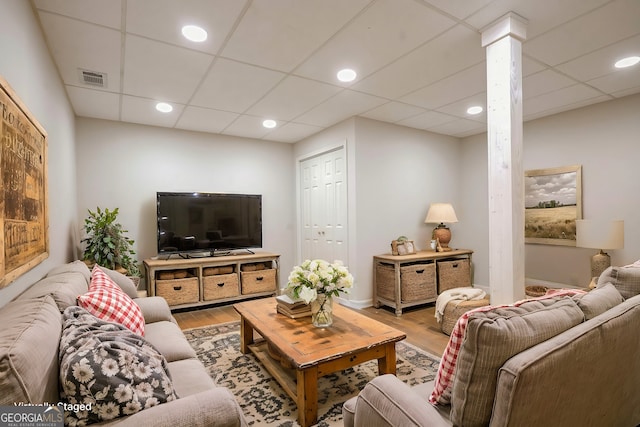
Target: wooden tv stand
192, 282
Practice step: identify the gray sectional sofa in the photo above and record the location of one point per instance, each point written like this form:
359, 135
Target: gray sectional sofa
30, 334
567, 361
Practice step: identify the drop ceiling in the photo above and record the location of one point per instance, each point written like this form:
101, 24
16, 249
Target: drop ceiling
420, 63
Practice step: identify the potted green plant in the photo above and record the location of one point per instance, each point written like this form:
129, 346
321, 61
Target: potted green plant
107, 244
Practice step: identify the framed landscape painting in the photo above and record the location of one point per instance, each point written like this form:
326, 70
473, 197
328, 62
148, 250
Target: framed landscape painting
553, 203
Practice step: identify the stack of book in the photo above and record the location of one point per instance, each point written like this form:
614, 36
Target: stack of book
292, 308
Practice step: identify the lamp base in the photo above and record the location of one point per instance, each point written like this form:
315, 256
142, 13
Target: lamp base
599, 263
442, 235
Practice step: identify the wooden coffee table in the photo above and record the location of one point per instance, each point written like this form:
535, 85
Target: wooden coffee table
296, 353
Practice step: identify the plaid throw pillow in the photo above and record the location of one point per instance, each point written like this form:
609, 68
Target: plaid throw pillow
108, 302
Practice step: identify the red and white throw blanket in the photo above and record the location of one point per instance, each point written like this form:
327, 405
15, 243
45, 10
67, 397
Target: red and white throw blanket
441, 394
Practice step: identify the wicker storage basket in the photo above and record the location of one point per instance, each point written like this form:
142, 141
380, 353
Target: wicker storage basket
535, 291
258, 281
179, 291
385, 281
453, 274
454, 309
220, 286
254, 266
418, 282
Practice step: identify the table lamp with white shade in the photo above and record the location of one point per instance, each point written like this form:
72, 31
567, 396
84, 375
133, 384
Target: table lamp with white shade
603, 235
441, 214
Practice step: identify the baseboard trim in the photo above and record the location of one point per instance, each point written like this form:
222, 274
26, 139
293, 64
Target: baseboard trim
358, 304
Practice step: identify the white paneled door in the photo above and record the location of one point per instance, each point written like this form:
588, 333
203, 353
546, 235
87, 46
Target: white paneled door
323, 209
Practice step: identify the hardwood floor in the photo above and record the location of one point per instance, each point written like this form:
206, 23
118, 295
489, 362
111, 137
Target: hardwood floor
418, 323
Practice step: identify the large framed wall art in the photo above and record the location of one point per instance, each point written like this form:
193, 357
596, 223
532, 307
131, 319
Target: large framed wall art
553, 203
24, 216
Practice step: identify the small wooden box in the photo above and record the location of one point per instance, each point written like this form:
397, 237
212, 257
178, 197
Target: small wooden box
386, 281
418, 282
220, 286
453, 274
179, 291
258, 281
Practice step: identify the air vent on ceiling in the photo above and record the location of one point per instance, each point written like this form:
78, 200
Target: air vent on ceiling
93, 78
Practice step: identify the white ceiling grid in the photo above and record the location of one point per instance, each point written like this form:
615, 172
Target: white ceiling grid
419, 62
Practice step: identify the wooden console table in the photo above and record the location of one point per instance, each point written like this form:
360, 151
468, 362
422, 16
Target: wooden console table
401, 281
212, 280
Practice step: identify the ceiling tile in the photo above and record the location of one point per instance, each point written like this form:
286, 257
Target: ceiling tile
163, 72
385, 31
107, 13
163, 20
601, 62
567, 107
143, 111
559, 99
544, 82
620, 80
450, 89
481, 128
247, 126
345, 104
459, 127
459, 8
460, 107
94, 103
393, 112
586, 33
427, 120
453, 51
292, 132
233, 86
280, 34
285, 101
626, 92
205, 119
531, 66
97, 50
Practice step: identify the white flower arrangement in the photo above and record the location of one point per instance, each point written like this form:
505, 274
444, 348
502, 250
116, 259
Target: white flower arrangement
311, 278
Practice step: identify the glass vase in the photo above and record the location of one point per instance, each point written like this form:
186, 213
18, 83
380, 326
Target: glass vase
322, 311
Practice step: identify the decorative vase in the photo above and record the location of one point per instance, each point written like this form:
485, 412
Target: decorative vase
322, 311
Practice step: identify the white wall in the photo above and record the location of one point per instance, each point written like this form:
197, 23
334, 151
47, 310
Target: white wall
603, 138
27, 66
123, 165
394, 173
474, 228
399, 172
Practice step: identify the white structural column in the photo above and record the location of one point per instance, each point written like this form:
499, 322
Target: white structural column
503, 43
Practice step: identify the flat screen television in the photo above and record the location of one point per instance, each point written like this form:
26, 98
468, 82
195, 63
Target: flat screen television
190, 223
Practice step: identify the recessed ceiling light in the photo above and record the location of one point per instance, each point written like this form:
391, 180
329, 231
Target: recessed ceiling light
194, 33
269, 124
627, 62
163, 107
474, 110
347, 75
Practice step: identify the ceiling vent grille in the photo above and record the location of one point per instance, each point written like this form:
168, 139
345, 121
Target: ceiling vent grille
93, 78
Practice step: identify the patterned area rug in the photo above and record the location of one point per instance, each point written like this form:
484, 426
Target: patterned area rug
265, 403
